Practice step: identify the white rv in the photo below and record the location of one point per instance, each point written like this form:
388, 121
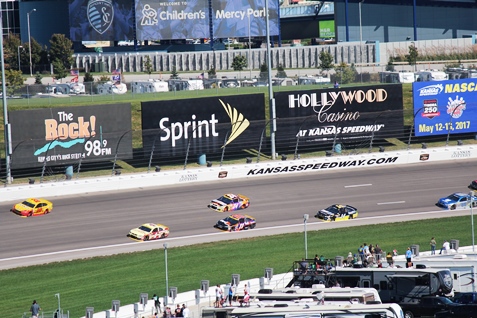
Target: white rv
109, 88
396, 77
150, 86
431, 75
313, 80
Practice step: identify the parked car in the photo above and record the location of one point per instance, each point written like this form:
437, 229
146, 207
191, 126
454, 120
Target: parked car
427, 306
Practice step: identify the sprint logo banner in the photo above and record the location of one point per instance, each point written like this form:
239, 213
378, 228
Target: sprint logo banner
63, 135
202, 125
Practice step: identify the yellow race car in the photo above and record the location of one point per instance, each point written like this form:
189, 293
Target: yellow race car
229, 202
337, 212
149, 231
32, 207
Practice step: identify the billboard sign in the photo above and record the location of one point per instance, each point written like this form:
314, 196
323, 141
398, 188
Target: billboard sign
327, 29
169, 19
202, 125
101, 20
346, 113
63, 135
445, 107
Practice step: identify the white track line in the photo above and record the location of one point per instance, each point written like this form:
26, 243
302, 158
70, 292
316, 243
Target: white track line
359, 185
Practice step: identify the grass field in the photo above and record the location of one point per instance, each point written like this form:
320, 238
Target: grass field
95, 282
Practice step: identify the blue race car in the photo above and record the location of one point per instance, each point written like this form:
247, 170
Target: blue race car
457, 201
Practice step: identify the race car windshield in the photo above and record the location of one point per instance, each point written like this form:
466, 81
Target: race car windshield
333, 209
28, 204
232, 221
224, 200
145, 229
454, 197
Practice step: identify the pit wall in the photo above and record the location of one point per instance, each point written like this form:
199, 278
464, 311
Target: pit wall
251, 170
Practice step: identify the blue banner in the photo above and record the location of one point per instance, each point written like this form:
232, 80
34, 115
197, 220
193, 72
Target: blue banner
445, 107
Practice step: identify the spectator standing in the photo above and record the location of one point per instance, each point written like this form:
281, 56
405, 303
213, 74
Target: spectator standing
218, 296
178, 311
378, 251
167, 313
185, 311
389, 259
157, 303
365, 249
433, 246
408, 255
361, 252
231, 294
35, 309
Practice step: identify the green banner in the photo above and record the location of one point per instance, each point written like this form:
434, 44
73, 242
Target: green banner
327, 29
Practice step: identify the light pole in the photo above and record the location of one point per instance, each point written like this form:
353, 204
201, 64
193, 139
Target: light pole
249, 47
29, 38
305, 218
166, 302
18, 49
412, 127
6, 124
59, 306
360, 42
472, 218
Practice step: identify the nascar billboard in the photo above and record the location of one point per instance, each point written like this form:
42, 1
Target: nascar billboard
101, 20
445, 107
202, 125
169, 19
63, 135
343, 113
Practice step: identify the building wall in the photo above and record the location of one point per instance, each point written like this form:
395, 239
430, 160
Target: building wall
391, 22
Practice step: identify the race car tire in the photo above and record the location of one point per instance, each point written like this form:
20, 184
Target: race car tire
226, 209
474, 204
146, 238
452, 207
47, 211
252, 226
30, 214
408, 314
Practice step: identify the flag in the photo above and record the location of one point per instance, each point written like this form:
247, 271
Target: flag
74, 79
201, 76
117, 75
74, 73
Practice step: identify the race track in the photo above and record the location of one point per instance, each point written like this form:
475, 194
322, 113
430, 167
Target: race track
96, 224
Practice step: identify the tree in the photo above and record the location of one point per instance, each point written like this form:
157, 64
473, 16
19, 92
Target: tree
148, 68
281, 72
36, 52
239, 63
61, 52
174, 74
11, 48
345, 74
60, 70
38, 78
411, 58
88, 77
326, 61
14, 80
263, 71
212, 73
390, 65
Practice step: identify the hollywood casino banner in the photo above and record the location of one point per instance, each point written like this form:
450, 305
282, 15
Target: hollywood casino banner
204, 125
445, 107
350, 113
170, 19
101, 20
62, 135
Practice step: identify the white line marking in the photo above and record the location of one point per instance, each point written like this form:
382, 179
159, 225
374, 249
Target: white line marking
310, 224
395, 202
359, 185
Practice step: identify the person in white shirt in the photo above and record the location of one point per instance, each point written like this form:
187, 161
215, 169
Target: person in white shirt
185, 311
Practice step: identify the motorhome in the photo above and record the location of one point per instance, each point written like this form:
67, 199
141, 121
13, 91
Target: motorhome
393, 284
109, 88
285, 81
430, 75
185, 85
304, 310
150, 86
461, 73
396, 77
321, 294
313, 80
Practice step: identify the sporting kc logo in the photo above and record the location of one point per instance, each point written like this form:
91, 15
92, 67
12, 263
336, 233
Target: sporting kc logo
100, 14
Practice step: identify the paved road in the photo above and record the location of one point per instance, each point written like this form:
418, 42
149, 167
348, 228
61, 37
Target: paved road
83, 225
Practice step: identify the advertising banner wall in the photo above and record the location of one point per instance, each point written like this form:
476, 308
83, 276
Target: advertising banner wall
63, 135
445, 107
169, 19
343, 113
204, 125
327, 29
101, 20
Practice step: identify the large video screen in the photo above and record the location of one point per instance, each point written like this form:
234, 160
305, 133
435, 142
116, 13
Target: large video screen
63, 135
445, 107
101, 20
169, 19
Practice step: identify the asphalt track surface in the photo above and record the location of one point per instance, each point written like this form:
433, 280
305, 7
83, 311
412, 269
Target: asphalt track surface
96, 224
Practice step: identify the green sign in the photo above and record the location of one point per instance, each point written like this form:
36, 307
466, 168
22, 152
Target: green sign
327, 29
